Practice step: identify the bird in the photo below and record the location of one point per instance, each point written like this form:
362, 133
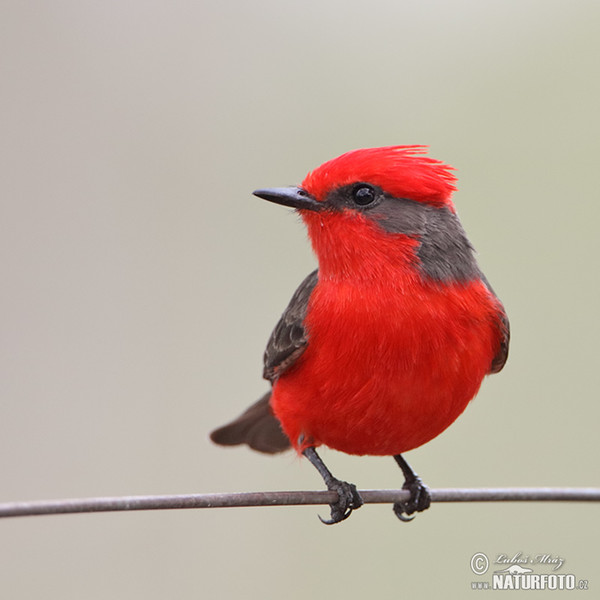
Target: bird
383, 346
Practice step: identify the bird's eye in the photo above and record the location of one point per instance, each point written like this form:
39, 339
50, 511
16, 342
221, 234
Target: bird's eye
363, 195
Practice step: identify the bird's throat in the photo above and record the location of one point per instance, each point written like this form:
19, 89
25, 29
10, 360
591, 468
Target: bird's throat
349, 246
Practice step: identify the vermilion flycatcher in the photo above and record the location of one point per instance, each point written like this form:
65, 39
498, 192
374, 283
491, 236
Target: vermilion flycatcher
385, 344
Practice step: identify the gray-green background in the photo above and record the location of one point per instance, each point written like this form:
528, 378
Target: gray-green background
140, 281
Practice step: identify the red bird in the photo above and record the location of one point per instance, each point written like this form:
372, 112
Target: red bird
383, 346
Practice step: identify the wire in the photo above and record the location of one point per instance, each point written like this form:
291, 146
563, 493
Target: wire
245, 499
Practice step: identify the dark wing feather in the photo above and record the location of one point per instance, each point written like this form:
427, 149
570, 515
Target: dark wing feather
501, 357
499, 360
289, 338
258, 427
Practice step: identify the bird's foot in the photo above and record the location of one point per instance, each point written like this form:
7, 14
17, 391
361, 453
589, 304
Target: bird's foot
419, 500
348, 500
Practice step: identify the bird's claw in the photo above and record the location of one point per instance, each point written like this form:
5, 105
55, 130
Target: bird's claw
419, 500
348, 500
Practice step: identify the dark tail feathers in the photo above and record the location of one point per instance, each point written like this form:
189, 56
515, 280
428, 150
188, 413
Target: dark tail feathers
258, 427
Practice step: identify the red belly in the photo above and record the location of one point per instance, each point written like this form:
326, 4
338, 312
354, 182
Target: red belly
385, 377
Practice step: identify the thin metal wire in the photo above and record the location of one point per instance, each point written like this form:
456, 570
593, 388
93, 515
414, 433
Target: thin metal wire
245, 499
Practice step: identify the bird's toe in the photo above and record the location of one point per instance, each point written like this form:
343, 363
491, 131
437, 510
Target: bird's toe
420, 500
348, 500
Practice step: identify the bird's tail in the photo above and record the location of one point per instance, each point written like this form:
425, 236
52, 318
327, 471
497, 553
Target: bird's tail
258, 427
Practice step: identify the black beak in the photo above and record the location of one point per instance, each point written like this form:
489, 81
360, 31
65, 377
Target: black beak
295, 197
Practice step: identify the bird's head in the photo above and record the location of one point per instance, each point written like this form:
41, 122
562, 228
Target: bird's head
377, 207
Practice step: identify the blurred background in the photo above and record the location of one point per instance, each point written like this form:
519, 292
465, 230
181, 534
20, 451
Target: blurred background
141, 280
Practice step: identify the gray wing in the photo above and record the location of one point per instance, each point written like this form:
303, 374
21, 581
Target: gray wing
257, 426
499, 360
289, 338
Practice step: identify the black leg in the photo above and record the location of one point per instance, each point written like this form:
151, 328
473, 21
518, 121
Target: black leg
348, 496
419, 500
